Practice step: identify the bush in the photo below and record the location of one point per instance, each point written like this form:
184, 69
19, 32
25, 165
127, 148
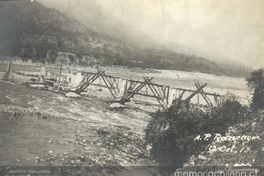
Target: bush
171, 133
256, 82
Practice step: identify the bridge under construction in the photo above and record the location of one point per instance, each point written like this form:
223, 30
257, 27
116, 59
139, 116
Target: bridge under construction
123, 90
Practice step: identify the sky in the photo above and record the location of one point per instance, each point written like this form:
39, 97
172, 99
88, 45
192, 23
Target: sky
217, 29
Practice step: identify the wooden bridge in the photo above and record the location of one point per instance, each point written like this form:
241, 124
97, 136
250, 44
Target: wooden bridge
123, 90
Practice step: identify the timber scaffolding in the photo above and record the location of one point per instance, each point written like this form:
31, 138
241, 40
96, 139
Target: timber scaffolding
122, 90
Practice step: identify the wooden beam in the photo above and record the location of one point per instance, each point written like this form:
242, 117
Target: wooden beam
100, 85
154, 84
180, 96
126, 96
111, 84
190, 90
168, 93
194, 93
203, 95
87, 80
113, 94
157, 95
146, 95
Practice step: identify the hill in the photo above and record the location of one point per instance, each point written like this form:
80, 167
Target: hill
33, 31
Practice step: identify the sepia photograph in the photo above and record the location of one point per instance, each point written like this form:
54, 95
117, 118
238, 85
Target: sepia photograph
131, 87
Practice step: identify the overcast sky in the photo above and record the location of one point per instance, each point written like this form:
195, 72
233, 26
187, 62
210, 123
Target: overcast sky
229, 29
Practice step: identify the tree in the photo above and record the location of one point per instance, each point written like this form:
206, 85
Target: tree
171, 133
256, 82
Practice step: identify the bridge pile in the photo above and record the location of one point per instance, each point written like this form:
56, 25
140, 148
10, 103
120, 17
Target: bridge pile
9, 70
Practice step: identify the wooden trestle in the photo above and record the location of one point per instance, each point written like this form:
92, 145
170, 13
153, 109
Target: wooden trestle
165, 95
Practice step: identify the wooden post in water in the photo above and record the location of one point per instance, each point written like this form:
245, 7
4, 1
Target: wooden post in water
8, 70
60, 70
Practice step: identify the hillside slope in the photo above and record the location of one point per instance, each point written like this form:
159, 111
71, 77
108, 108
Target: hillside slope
33, 31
